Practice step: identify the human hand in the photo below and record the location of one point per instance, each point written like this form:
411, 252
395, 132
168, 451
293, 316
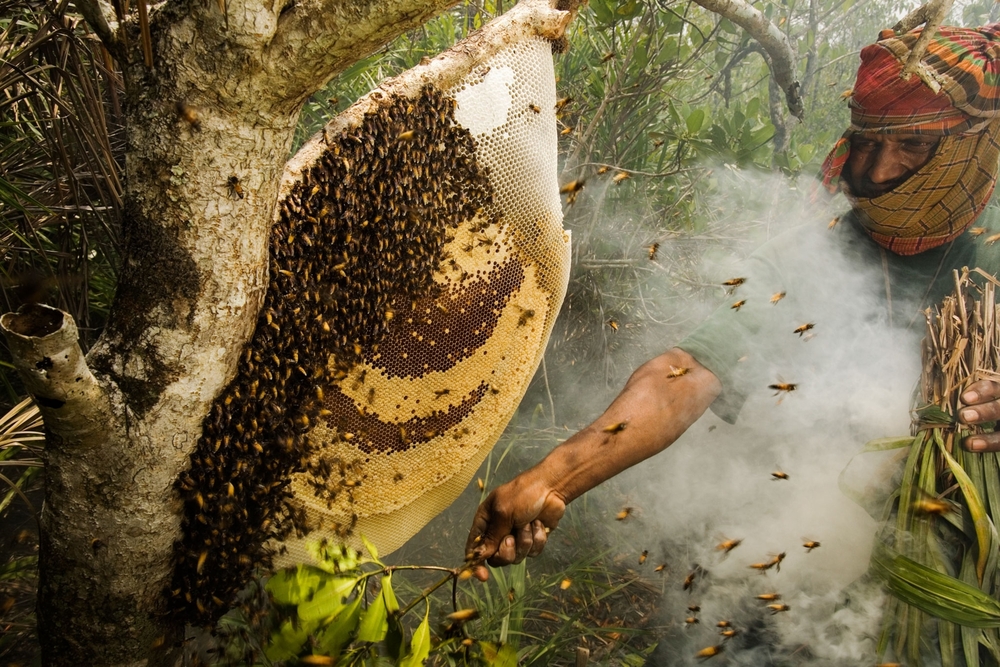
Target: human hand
513, 522
982, 401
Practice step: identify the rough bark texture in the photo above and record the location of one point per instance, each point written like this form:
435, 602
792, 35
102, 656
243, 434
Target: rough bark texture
782, 55
209, 129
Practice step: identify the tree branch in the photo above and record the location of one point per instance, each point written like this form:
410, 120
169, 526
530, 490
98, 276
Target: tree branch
98, 15
773, 40
44, 344
446, 69
930, 14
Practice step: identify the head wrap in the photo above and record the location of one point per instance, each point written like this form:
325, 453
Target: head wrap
944, 197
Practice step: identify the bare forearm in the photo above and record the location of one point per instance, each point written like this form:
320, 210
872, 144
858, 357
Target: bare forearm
659, 402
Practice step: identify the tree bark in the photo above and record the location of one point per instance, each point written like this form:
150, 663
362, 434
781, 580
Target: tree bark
775, 43
209, 127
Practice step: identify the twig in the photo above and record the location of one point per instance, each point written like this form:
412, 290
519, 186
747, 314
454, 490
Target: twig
931, 14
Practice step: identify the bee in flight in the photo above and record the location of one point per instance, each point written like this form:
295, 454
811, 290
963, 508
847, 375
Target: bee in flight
804, 328
723, 624
694, 608
535, 108
928, 504
775, 561
620, 176
728, 545
607, 56
977, 231
777, 474
777, 296
643, 556
603, 170
660, 568
709, 652
778, 608
729, 633
615, 428
780, 387
560, 103
625, 513
739, 304
691, 620
810, 545
652, 250
732, 284
676, 372
990, 240
769, 597
613, 323
833, 223
567, 130
572, 187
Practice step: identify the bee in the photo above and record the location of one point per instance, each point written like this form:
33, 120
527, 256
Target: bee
777, 474
709, 652
652, 251
739, 304
465, 575
603, 170
560, 103
730, 633
614, 429
643, 556
779, 387
235, 189
613, 323
694, 608
607, 56
689, 579
660, 568
803, 328
728, 545
201, 561
833, 222
769, 597
658, 143
318, 660
620, 176
778, 608
775, 562
567, 130
572, 187
463, 615
732, 284
565, 583
777, 296
480, 483
990, 240
525, 316
847, 93
625, 513
548, 616
977, 231
406, 135
723, 624
188, 114
676, 372
535, 108
691, 620
931, 505
810, 545
761, 567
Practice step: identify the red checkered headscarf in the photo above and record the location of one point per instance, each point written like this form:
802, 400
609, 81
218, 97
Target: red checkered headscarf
945, 196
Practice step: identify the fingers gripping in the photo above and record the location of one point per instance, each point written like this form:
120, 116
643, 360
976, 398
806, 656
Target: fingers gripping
982, 405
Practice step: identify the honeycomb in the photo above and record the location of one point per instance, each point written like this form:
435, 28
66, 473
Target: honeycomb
416, 269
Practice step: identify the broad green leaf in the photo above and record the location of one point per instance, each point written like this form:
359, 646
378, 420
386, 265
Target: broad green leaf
932, 414
295, 586
695, 120
420, 645
370, 548
375, 622
328, 600
502, 656
336, 634
287, 641
885, 444
974, 503
935, 593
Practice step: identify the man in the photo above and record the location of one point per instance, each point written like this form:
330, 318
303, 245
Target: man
918, 167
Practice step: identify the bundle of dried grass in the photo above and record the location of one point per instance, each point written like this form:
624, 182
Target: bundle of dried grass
938, 550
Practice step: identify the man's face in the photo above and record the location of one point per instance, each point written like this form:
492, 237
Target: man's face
879, 163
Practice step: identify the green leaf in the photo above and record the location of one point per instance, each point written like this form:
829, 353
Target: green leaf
502, 656
296, 586
931, 591
974, 503
695, 120
370, 548
375, 622
932, 414
336, 634
420, 645
328, 600
287, 641
885, 444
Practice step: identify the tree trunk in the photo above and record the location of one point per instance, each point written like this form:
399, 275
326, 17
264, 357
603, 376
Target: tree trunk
209, 127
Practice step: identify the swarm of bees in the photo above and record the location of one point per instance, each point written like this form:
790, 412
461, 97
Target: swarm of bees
358, 237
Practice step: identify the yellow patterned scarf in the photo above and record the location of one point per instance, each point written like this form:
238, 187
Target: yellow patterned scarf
941, 200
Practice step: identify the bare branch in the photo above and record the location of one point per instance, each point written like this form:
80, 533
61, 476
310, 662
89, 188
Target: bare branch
99, 16
773, 40
931, 14
44, 344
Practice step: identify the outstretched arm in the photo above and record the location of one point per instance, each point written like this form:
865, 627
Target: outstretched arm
660, 401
